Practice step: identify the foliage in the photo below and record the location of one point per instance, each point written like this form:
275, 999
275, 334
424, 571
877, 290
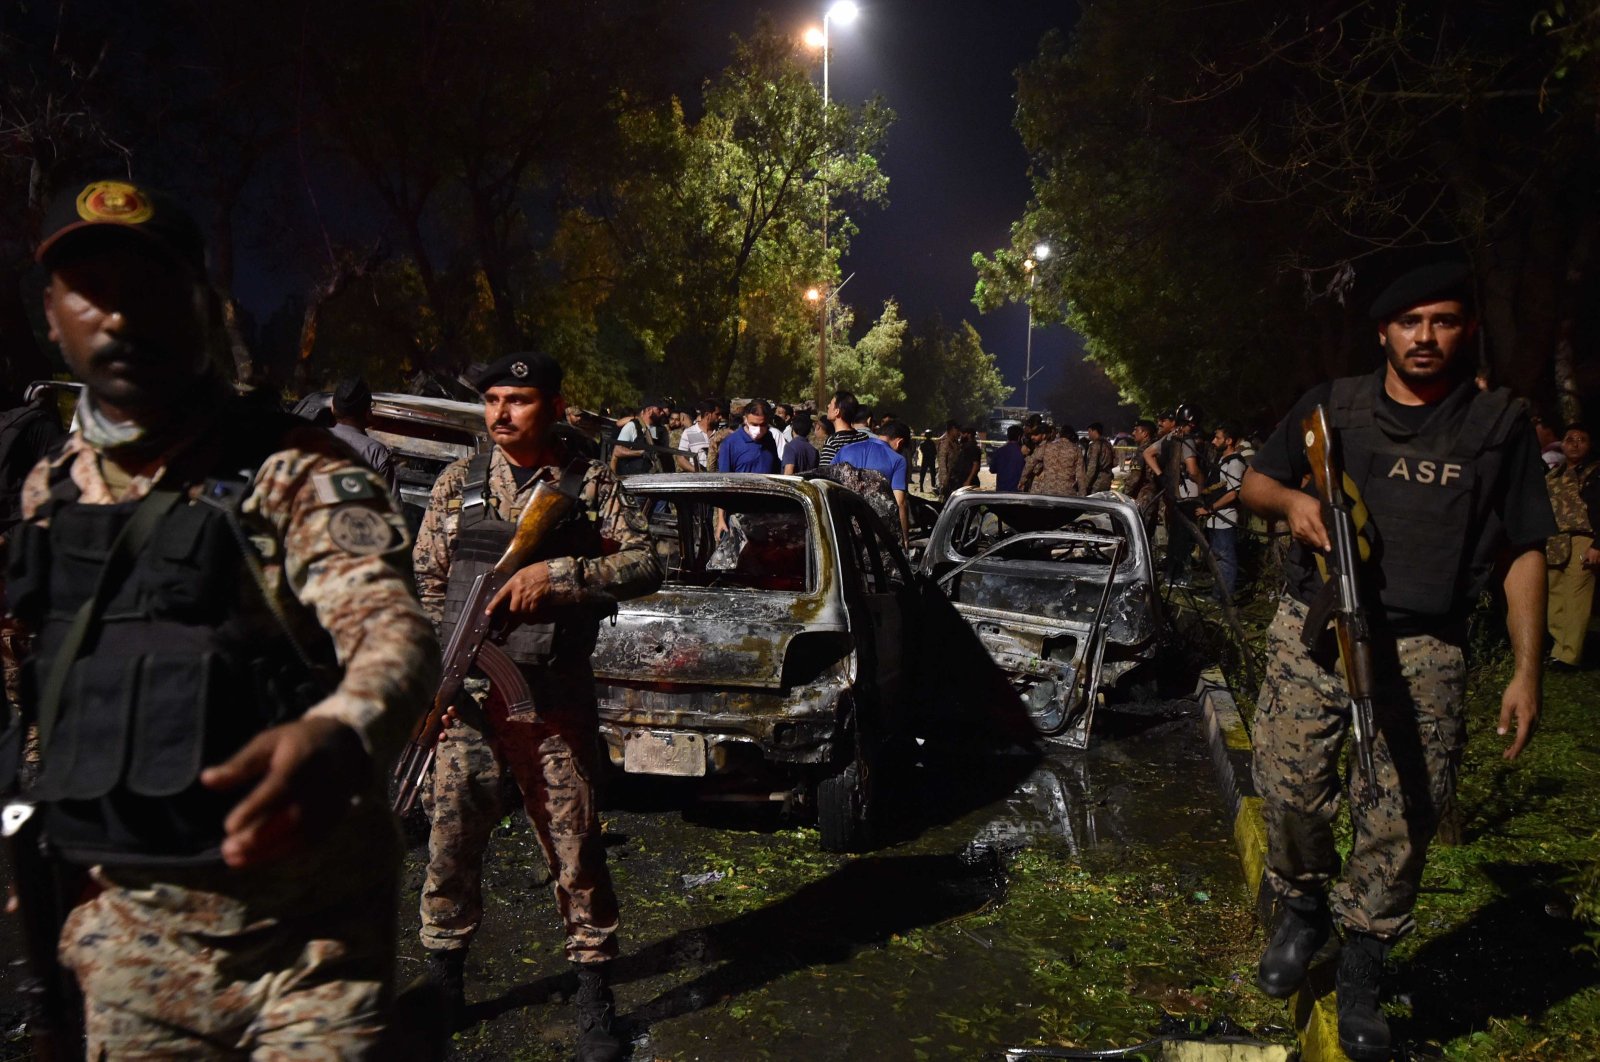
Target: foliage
871, 367
1225, 187
949, 376
705, 248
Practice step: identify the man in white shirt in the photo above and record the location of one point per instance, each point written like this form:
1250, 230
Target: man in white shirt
696, 441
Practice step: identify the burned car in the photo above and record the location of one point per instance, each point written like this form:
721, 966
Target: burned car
426, 435
776, 647
1060, 591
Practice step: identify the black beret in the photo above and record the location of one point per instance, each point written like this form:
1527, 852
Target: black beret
1438, 282
522, 370
121, 207
352, 395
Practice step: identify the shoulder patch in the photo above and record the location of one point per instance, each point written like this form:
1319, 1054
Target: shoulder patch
360, 529
334, 487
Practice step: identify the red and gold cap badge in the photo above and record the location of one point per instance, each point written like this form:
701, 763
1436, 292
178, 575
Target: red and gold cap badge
117, 202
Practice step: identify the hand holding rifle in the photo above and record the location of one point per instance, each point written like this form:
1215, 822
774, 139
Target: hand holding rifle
514, 582
1340, 600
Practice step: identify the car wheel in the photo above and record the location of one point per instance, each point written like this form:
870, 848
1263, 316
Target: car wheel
844, 806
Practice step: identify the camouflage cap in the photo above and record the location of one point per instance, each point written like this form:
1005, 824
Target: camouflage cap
121, 206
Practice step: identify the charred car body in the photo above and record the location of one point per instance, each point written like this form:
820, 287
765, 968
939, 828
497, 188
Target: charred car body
778, 643
1060, 591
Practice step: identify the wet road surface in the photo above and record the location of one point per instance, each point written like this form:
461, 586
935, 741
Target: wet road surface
1075, 898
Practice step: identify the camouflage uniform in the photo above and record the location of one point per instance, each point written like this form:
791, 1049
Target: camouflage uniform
550, 752
1299, 728
1571, 585
1055, 467
1100, 463
293, 958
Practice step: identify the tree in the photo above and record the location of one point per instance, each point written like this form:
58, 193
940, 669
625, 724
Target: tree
1230, 186
870, 368
702, 247
949, 376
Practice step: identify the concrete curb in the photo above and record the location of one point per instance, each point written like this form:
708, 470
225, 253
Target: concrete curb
1315, 1012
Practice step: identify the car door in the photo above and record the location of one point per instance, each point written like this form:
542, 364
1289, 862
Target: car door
879, 581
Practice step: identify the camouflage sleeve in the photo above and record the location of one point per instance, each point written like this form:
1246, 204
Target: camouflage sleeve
431, 556
1031, 468
344, 550
629, 570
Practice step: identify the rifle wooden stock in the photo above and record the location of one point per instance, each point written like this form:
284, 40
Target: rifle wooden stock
1342, 587
469, 649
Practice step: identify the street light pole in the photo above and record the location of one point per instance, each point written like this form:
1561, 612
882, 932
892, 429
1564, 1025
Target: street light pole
1040, 253
845, 11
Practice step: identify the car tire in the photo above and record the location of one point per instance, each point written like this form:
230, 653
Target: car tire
844, 807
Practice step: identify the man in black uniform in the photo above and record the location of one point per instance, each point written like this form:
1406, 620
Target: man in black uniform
1452, 479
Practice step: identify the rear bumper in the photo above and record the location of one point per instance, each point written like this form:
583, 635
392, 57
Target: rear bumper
739, 729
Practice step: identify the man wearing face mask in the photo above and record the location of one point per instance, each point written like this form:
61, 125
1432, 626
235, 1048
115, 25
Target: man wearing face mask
752, 448
228, 658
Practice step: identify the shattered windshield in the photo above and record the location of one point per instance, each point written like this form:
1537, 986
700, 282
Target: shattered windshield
981, 528
735, 540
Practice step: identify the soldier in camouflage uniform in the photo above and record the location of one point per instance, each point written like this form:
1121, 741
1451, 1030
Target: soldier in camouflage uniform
1571, 553
210, 770
601, 555
1453, 483
1055, 467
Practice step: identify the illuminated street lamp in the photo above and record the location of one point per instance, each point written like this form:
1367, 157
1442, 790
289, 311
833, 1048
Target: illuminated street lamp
843, 12
1041, 251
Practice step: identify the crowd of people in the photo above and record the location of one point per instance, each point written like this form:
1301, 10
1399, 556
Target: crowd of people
227, 629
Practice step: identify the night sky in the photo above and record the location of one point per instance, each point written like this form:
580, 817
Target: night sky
957, 172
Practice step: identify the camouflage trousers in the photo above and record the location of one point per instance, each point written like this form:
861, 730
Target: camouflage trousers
180, 971
1299, 729
1571, 588
552, 753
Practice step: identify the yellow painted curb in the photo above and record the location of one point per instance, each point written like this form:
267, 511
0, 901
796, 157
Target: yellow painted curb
1250, 836
1315, 1011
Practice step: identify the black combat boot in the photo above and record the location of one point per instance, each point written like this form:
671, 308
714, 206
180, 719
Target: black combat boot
1363, 1030
597, 1039
1302, 929
446, 972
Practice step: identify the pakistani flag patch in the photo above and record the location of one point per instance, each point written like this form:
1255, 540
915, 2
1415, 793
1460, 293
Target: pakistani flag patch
334, 487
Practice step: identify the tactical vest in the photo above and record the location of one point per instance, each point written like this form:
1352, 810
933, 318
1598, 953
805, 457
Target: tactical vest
481, 539
1431, 496
178, 674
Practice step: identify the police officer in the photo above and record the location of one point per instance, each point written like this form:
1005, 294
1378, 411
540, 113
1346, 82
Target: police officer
1453, 482
192, 567
601, 554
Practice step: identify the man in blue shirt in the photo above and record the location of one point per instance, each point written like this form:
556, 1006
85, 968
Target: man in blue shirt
1007, 462
883, 454
751, 448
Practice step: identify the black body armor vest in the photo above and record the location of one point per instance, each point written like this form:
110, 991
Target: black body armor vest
176, 675
481, 540
1431, 494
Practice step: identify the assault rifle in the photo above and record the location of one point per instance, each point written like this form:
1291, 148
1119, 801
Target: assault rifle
52, 1027
470, 646
1339, 601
